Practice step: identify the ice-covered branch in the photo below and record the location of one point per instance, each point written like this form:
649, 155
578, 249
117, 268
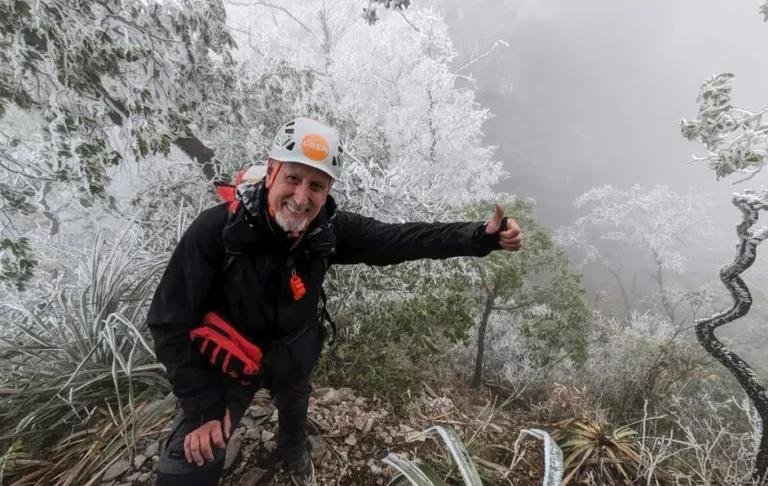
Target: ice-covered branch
737, 139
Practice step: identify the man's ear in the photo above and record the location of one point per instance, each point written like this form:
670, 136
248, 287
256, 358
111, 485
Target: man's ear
272, 169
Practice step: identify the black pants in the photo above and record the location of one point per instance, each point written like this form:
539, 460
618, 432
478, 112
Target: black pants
291, 401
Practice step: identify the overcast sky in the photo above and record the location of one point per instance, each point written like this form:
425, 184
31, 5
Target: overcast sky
597, 87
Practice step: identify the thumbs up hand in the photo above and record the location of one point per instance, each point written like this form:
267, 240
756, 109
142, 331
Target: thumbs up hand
510, 237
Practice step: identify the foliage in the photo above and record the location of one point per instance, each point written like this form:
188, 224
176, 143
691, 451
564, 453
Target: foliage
370, 13
537, 289
735, 138
107, 81
420, 474
79, 369
423, 476
589, 445
400, 342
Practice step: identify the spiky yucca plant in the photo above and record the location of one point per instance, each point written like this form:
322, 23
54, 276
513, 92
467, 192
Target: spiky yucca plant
75, 369
590, 446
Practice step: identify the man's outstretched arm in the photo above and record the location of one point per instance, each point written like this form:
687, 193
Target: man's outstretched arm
365, 240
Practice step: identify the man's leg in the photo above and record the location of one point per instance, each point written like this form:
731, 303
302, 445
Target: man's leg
292, 402
174, 470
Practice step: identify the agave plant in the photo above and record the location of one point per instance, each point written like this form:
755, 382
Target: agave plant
417, 473
608, 451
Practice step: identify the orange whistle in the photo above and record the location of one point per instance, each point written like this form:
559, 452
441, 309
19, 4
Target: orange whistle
298, 287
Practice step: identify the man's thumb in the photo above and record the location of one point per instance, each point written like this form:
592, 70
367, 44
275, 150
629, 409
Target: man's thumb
495, 223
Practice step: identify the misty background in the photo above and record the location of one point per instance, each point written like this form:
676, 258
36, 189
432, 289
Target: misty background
591, 92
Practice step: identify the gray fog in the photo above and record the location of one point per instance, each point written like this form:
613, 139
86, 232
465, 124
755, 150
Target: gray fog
591, 92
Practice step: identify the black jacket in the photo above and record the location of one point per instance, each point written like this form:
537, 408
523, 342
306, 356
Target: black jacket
253, 292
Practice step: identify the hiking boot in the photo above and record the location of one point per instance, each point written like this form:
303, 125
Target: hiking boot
302, 470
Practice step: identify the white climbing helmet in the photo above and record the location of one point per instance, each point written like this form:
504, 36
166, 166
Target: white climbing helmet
308, 142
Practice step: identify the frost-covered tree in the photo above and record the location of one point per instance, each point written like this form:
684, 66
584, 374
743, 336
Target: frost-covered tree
656, 222
102, 82
536, 290
414, 137
736, 140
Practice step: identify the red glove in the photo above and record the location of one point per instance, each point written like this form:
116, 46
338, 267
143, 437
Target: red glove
226, 349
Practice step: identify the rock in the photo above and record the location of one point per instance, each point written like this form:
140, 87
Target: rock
252, 477
134, 477
138, 461
266, 435
375, 467
359, 422
327, 396
347, 394
319, 447
252, 434
257, 411
238, 471
274, 416
152, 448
248, 450
145, 477
350, 440
247, 422
117, 469
368, 426
270, 446
233, 449
331, 396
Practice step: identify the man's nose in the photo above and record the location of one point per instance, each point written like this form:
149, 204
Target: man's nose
301, 195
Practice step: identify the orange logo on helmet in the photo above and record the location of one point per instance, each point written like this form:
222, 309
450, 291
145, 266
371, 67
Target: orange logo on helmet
315, 147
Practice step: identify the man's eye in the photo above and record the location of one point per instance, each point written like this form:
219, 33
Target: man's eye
293, 179
317, 187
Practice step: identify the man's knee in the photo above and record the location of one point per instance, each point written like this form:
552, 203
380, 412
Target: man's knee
293, 398
174, 469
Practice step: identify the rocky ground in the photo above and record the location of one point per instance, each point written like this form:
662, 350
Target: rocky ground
349, 434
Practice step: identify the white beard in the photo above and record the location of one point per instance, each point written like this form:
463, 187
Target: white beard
290, 222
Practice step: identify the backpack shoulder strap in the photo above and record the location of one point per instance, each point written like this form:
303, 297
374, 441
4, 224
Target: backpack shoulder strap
228, 255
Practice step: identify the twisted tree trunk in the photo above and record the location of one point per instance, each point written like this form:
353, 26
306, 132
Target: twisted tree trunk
750, 205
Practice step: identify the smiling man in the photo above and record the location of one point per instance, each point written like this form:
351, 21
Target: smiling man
240, 306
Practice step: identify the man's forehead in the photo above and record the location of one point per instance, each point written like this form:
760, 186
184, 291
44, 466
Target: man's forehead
303, 170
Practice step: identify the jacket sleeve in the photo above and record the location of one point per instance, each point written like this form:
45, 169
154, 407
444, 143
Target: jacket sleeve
178, 306
360, 239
